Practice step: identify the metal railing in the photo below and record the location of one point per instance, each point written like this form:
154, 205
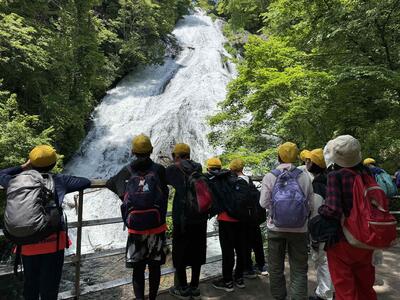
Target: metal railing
78, 258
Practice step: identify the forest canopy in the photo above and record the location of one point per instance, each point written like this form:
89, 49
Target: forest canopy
58, 58
312, 70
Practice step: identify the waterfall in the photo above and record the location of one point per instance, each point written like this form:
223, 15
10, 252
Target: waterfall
168, 102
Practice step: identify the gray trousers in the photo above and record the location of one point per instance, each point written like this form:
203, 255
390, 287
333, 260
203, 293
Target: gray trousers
296, 244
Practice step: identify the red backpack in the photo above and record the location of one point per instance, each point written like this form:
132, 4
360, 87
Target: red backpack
370, 225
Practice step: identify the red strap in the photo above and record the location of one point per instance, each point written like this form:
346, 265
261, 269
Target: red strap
157, 230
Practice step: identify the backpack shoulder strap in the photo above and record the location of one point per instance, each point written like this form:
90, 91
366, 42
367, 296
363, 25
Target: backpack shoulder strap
296, 172
129, 169
276, 172
49, 181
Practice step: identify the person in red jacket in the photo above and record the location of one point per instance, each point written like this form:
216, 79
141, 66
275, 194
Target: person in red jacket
43, 261
351, 268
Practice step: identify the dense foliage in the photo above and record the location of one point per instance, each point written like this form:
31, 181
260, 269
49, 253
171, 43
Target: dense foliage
316, 69
57, 58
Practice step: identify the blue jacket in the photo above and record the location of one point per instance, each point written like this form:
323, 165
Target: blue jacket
64, 184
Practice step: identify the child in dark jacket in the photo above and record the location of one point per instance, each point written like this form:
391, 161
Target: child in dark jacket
189, 236
144, 247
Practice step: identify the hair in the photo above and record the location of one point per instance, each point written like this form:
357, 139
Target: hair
142, 155
280, 159
44, 169
181, 156
214, 168
315, 169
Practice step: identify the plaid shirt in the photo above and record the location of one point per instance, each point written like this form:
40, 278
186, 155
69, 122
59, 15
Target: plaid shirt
339, 196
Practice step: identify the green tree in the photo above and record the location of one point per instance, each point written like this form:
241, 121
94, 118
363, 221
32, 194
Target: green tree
327, 68
18, 132
245, 14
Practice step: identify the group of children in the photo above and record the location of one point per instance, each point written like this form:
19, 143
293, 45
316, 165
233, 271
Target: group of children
290, 196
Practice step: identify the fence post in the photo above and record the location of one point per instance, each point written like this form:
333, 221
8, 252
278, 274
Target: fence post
78, 247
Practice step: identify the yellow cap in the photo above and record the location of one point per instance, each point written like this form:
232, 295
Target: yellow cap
288, 152
236, 165
141, 144
369, 161
43, 156
181, 149
304, 154
317, 157
214, 162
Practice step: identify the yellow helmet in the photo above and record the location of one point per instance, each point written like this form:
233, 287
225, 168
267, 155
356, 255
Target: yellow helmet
288, 152
304, 154
369, 161
43, 156
236, 165
181, 148
141, 144
214, 162
317, 157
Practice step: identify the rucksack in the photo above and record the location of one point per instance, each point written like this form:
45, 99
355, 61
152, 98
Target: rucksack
198, 197
386, 183
289, 206
143, 196
243, 204
32, 209
369, 225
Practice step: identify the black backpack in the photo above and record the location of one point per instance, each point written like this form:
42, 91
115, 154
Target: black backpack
237, 197
244, 203
141, 206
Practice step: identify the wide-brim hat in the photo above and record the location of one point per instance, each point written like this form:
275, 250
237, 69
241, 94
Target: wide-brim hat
345, 151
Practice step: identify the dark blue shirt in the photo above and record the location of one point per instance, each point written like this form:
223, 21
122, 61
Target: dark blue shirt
64, 184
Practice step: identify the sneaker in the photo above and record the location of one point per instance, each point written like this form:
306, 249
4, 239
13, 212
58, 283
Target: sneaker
239, 282
195, 293
222, 285
249, 274
180, 293
262, 270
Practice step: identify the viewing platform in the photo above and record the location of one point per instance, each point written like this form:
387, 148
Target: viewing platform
258, 288
102, 274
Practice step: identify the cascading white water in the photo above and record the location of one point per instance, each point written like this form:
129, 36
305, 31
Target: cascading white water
169, 103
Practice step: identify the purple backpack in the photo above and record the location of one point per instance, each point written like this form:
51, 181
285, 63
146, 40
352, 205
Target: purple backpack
289, 208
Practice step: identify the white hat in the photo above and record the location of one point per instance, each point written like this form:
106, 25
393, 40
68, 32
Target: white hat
328, 154
344, 151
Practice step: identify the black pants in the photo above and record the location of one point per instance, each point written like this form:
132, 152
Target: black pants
254, 243
42, 275
189, 245
232, 239
138, 279
182, 279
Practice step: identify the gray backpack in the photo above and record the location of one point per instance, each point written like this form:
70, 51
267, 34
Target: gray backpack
32, 210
